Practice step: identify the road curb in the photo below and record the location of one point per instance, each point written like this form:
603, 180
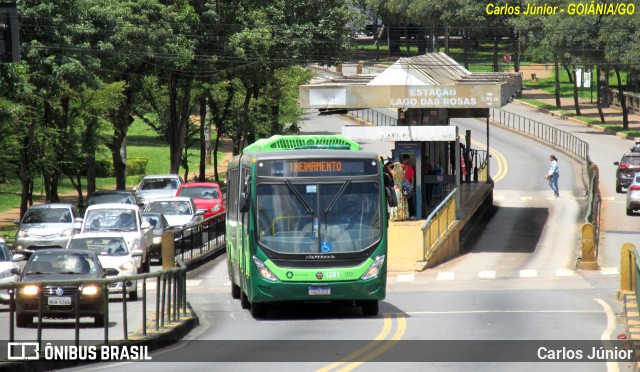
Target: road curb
152, 342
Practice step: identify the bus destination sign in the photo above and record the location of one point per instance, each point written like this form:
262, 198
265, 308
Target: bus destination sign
317, 167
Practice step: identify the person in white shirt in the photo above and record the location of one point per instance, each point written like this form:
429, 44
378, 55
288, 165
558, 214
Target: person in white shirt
553, 175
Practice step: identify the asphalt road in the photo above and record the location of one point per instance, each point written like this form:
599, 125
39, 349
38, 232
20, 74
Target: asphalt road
516, 281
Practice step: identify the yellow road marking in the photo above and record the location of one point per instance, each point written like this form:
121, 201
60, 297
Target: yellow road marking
386, 328
500, 160
402, 327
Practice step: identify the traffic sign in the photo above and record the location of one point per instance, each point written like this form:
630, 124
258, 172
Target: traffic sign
506, 58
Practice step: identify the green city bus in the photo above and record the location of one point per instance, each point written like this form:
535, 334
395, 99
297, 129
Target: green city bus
306, 221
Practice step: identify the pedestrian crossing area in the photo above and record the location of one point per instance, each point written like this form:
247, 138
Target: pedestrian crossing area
444, 276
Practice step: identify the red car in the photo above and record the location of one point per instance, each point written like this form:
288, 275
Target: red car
206, 195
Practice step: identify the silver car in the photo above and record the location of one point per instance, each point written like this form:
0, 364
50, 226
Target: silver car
157, 186
45, 226
180, 211
6, 276
633, 194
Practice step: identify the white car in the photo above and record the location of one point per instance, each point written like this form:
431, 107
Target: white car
6, 265
113, 252
157, 186
180, 211
125, 219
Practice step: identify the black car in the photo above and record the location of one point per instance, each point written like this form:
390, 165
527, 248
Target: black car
627, 167
159, 225
59, 301
114, 196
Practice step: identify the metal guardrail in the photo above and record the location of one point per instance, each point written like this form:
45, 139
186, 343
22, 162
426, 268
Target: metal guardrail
377, 117
437, 224
171, 291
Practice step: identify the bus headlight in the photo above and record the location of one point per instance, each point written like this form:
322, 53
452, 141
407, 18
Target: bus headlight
374, 269
263, 270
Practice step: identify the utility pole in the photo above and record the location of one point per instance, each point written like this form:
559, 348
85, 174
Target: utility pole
9, 40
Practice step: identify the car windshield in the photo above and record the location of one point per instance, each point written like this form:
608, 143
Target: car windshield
114, 246
318, 218
47, 215
170, 207
111, 198
61, 263
159, 184
110, 220
630, 160
200, 192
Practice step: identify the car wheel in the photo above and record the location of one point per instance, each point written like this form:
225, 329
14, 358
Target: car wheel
160, 261
618, 188
629, 212
235, 290
258, 310
370, 308
23, 320
98, 320
133, 296
244, 300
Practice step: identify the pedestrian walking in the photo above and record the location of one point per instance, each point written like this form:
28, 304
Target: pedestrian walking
409, 175
553, 174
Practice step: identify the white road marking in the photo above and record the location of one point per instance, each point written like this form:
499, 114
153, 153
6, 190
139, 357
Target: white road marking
525, 198
498, 198
609, 271
565, 272
608, 198
487, 275
608, 332
193, 282
528, 273
446, 275
405, 277
505, 311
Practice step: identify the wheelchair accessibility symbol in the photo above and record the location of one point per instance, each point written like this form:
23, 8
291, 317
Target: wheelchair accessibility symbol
326, 247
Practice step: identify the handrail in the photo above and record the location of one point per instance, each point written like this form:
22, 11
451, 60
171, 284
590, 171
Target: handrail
442, 225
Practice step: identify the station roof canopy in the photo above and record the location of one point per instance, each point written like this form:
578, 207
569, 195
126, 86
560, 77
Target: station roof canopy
433, 80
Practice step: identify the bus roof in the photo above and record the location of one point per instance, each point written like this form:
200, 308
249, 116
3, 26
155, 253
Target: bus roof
297, 142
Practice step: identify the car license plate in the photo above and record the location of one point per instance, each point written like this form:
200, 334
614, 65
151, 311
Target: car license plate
319, 291
59, 301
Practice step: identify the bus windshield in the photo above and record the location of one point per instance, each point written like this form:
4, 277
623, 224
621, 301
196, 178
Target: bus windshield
313, 218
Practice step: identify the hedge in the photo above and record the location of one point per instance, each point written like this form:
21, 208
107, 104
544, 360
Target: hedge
135, 167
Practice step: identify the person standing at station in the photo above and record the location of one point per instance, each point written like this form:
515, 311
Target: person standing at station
553, 174
400, 212
409, 175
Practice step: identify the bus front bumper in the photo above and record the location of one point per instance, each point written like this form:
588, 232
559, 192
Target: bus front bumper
266, 291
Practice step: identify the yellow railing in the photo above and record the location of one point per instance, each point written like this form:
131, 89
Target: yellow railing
438, 223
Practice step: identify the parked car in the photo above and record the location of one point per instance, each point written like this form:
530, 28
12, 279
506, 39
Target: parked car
158, 186
125, 219
60, 300
113, 252
45, 226
114, 196
633, 194
6, 265
181, 212
627, 166
206, 195
159, 224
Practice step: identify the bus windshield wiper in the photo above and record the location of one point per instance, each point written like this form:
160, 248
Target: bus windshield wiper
299, 197
337, 195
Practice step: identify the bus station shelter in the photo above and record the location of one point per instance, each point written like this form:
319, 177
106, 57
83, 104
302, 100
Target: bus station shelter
423, 93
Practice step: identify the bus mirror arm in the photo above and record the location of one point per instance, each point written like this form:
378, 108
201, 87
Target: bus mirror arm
244, 202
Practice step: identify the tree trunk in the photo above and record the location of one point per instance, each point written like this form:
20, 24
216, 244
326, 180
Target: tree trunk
496, 63
556, 65
203, 138
465, 46
569, 73
238, 140
121, 119
576, 99
422, 41
178, 119
24, 173
516, 52
599, 94
623, 101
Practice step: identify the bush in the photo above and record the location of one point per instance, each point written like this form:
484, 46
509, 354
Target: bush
135, 166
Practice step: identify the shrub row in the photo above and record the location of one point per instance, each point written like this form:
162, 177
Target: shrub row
135, 167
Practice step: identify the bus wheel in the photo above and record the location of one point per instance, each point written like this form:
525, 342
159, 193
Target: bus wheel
244, 301
369, 308
235, 290
258, 310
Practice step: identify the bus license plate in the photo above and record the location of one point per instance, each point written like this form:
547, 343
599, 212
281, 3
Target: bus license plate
319, 291
59, 301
